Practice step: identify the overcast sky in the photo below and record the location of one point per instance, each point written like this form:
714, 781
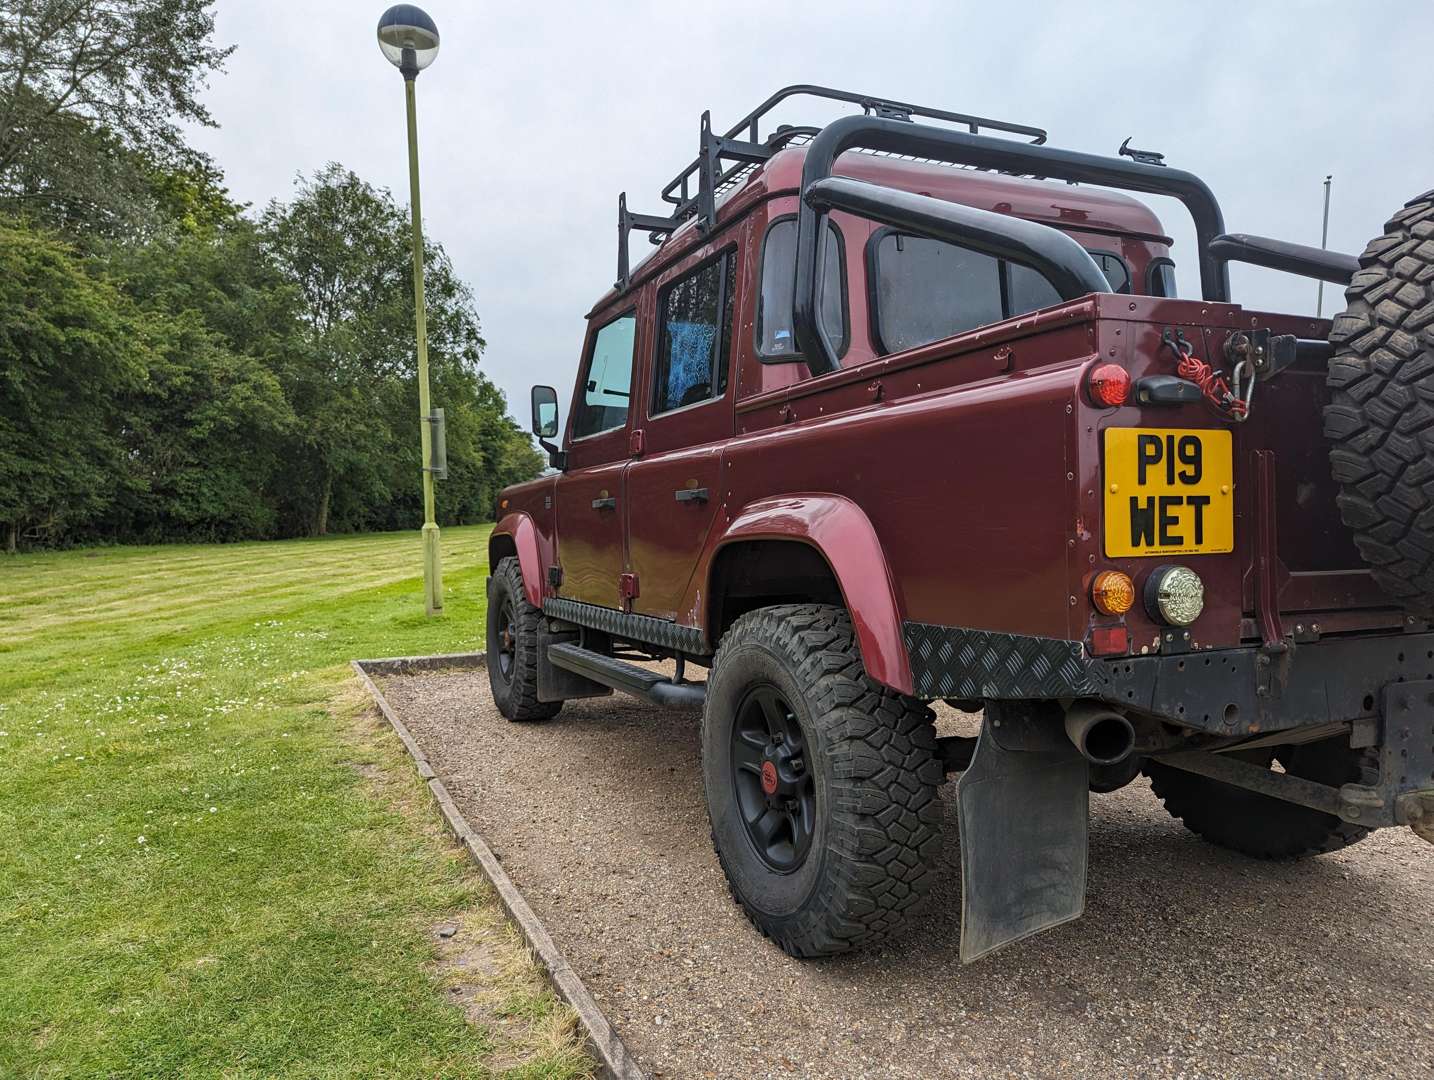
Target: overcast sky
535, 116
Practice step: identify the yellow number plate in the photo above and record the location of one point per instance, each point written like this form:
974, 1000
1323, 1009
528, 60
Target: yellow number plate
1168, 492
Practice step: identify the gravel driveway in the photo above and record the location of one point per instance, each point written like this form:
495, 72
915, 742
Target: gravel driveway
1190, 961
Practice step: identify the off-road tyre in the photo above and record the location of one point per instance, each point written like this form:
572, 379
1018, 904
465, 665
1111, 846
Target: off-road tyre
871, 753
1262, 827
1380, 419
513, 663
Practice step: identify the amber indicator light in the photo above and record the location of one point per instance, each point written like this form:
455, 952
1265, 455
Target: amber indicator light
1112, 592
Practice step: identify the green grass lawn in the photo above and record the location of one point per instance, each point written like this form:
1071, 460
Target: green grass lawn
215, 861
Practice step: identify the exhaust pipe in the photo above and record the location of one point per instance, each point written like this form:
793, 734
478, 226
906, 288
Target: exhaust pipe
1103, 736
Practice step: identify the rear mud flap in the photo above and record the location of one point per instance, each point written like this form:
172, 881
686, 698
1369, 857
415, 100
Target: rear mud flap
1023, 818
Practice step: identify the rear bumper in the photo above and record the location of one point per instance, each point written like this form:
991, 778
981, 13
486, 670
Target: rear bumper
1381, 686
1247, 691
1228, 692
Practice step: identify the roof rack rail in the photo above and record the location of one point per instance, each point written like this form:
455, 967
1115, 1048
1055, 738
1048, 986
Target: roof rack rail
744, 148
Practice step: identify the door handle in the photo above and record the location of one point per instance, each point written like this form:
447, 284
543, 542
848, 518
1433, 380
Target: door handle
608, 502
690, 495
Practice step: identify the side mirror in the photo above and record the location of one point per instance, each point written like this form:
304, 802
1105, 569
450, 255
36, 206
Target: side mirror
544, 400
545, 411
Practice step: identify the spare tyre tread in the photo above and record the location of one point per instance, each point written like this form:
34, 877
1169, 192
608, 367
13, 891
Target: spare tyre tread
1380, 418
1262, 827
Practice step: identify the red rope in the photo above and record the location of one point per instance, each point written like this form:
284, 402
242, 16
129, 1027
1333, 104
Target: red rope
1211, 383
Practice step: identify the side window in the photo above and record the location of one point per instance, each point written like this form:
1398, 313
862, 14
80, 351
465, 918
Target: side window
1161, 277
779, 272
1114, 269
607, 382
1029, 290
926, 290
695, 342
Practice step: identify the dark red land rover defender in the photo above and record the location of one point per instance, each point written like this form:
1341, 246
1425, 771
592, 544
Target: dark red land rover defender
906, 409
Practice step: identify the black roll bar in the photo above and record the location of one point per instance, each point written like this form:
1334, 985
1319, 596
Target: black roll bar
1065, 264
1004, 155
1301, 259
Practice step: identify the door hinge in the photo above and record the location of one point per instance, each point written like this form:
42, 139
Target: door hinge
555, 576
635, 442
627, 586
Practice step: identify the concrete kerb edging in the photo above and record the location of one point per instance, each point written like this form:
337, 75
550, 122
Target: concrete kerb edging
603, 1041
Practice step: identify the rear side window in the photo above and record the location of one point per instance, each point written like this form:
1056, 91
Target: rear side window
1114, 269
779, 272
928, 289
607, 381
925, 290
1028, 290
695, 343
1161, 277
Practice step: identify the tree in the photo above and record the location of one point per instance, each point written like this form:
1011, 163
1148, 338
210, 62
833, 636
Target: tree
69, 349
205, 434
345, 245
219, 378
90, 93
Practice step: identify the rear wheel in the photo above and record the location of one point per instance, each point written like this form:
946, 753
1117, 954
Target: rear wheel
513, 626
1258, 825
1380, 419
821, 784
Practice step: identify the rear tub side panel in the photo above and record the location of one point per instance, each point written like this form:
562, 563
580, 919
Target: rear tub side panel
966, 486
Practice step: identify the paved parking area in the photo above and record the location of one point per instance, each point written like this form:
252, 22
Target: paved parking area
1190, 961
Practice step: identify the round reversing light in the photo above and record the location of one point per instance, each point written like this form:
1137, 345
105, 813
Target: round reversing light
1112, 592
1174, 595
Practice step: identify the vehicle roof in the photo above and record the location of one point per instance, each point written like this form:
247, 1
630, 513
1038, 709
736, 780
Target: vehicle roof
1061, 205
1091, 209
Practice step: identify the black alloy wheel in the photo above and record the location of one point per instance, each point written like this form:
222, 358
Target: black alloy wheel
821, 783
507, 638
776, 793
512, 647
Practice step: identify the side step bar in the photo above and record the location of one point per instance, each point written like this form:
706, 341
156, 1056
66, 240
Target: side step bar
629, 678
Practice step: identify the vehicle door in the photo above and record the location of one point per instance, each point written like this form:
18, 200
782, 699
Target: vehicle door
674, 484
589, 493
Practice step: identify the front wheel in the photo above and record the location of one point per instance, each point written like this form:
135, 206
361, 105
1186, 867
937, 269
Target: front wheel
821, 784
513, 626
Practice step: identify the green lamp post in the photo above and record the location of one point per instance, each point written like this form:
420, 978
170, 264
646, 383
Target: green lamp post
409, 40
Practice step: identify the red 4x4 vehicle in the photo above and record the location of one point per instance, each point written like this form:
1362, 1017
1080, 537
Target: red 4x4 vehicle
868, 430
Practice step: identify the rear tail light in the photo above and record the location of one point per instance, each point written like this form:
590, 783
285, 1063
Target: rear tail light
1108, 384
1112, 592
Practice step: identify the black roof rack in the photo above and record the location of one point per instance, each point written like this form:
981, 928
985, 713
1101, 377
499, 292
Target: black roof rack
724, 160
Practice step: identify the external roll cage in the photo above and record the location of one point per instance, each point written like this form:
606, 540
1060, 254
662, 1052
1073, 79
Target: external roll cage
984, 152
889, 127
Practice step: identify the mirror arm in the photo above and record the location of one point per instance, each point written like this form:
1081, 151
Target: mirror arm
556, 458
